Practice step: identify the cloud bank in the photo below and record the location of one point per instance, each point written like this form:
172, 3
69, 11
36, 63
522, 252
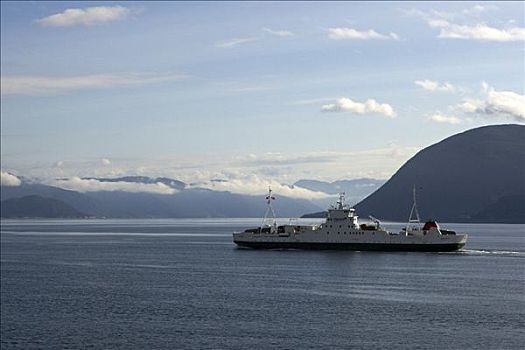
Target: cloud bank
283, 168
44, 85
92, 185
87, 16
353, 34
431, 85
369, 106
9, 180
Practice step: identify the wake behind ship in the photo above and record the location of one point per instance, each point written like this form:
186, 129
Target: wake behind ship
341, 230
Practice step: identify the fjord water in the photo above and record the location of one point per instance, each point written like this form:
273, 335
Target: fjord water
182, 284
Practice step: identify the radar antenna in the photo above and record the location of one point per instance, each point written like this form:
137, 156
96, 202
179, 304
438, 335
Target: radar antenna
269, 220
341, 202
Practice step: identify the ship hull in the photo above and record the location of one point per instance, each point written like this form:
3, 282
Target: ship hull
411, 247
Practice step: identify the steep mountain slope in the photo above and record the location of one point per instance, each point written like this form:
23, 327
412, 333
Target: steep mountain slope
458, 179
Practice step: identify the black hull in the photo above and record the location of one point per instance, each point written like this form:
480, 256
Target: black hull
353, 246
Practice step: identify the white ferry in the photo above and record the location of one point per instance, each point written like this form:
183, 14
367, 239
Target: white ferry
342, 230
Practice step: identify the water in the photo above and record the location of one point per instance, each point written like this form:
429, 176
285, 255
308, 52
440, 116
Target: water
182, 284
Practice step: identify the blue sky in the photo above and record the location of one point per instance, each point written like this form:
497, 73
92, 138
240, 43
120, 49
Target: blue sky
253, 92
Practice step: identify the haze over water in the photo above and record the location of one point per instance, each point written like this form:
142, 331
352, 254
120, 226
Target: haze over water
182, 284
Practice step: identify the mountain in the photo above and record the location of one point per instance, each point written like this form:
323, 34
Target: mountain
38, 207
80, 201
356, 190
474, 176
186, 203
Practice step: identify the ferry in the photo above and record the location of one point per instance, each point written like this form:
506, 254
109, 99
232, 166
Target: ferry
342, 230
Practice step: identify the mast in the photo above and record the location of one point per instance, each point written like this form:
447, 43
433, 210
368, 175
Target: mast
413, 211
272, 222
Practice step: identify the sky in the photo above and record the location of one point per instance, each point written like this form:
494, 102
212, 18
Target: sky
254, 93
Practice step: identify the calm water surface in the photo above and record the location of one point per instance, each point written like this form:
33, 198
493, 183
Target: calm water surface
182, 284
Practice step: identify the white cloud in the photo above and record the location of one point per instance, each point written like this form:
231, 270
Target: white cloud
9, 180
253, 185
507, 103
229, 44
441, 118
369, 106
105, 161
86, 16
431, 85
92, 185
350, 33
480, 32
281, 33
42, 85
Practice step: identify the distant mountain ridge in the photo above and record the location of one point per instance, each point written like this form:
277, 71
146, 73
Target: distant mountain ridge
188, 200
186, 203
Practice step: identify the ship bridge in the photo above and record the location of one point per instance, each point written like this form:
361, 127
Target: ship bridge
342, 212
